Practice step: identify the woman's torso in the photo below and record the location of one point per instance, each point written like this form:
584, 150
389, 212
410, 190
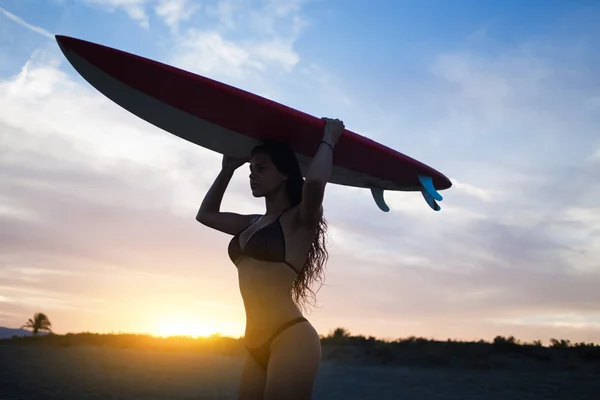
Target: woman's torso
277, 250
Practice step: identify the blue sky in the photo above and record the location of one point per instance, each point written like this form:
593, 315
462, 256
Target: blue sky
502, 97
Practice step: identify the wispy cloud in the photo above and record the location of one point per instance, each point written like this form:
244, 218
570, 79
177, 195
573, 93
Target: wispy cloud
480, 193
266, 50
173, 12
135, 9
26, 24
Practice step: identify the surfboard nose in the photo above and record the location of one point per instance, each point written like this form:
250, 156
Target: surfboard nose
63, 42
67, 43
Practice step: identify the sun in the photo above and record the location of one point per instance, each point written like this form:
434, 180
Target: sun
181, 326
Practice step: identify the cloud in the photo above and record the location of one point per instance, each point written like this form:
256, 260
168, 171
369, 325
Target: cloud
208, 53
595, 157
173, 12
245, 44
26, 24
480, 193
224, 11
135, 9
514, 92
276, 16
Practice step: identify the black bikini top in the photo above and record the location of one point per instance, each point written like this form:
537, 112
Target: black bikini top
266, 244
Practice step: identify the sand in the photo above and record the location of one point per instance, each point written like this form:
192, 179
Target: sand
96, 372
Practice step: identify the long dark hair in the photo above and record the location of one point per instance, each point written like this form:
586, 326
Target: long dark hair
313, 270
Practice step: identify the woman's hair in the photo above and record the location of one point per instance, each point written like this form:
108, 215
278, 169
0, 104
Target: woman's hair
313, 270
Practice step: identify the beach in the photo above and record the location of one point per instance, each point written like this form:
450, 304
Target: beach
100, 372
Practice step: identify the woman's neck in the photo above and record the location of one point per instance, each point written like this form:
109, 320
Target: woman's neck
277, 203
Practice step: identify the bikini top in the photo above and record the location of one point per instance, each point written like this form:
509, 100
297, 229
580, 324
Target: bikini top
266, 244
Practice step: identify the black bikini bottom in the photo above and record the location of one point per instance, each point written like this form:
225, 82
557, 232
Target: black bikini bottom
261, 354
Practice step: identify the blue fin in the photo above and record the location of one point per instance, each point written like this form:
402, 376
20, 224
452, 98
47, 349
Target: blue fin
429, 193
378, 197
427, 184
435, 206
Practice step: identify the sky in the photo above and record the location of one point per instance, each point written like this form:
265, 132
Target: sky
97, 207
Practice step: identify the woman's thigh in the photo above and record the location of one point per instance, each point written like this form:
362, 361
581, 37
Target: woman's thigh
293, 365
252, 380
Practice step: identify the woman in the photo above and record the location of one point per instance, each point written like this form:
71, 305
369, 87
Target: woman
277, 255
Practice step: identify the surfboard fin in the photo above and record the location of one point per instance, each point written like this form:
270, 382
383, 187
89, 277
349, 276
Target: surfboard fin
429, 193
379, 200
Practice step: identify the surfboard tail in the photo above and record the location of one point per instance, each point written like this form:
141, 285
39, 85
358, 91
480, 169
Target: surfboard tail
428, 190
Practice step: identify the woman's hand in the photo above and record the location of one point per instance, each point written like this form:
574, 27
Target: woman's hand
333, 130
233, 163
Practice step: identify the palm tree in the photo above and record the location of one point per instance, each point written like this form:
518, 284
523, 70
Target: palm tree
341, 333
40, 322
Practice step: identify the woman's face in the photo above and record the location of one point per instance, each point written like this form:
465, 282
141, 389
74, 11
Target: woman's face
265, 178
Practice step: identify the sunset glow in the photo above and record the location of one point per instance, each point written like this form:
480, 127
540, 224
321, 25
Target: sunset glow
183, 325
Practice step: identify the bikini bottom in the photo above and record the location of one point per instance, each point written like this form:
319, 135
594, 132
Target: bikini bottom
262, 353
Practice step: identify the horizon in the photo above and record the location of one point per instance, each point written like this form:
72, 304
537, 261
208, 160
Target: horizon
344, 334
98, 206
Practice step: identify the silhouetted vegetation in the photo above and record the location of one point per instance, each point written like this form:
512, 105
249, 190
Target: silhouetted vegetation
38, 323
502, 352
341, 346
212, 344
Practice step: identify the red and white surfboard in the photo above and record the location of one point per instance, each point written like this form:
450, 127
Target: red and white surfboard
232, 121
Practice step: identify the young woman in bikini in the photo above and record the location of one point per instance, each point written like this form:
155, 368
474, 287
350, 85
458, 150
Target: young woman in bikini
278, 255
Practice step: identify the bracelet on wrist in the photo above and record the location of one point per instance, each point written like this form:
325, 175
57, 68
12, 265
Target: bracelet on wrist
328, 144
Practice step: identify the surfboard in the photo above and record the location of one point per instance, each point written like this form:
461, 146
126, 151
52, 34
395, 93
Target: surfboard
231, 121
